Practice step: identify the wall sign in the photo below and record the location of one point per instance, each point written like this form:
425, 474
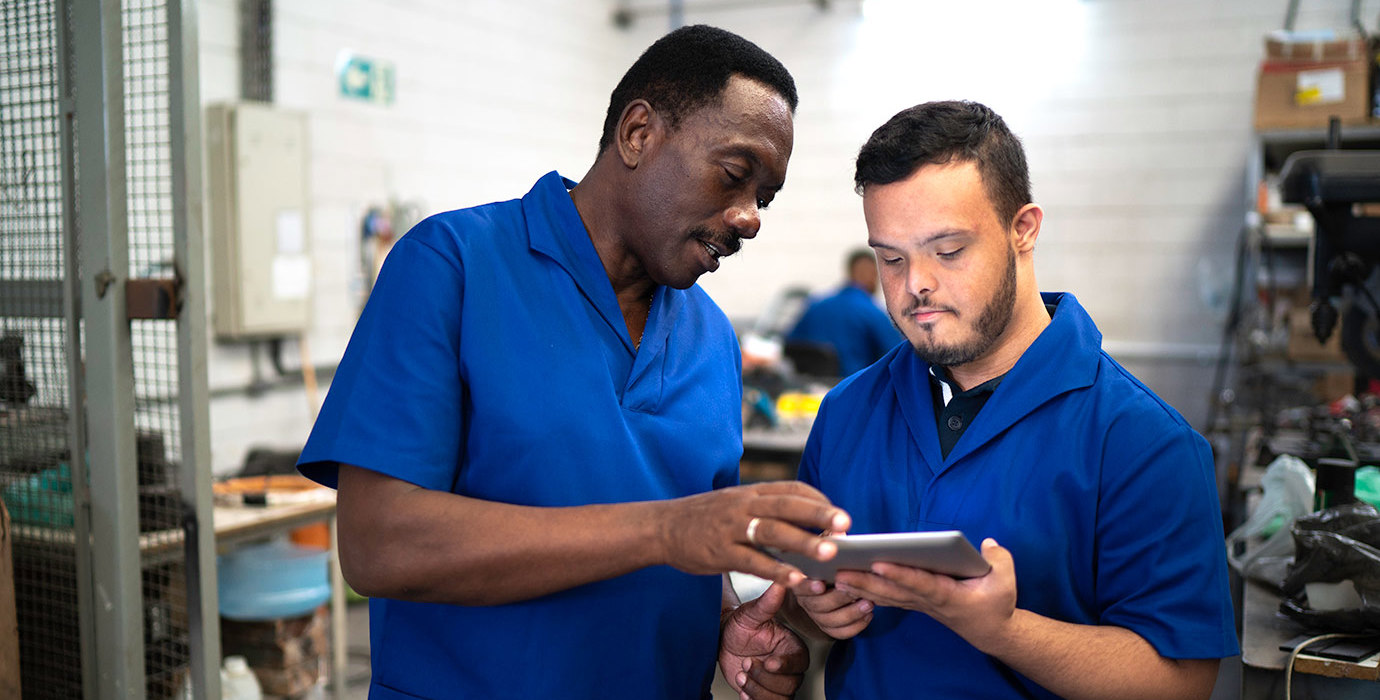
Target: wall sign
364, 78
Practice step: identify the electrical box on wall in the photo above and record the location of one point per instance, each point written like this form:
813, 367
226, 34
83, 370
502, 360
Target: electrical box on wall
256, 163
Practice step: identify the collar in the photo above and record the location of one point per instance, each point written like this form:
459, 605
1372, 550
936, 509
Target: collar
1064, 357
946, 385
555, 230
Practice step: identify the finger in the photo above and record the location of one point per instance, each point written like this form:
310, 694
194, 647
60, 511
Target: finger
805, 513
784, 536
788, 487
758, 682
844, 616
881, 590
761, 610
828, 602
996, 555
913, 583
849, 630
761, 565
791, 662
811, 588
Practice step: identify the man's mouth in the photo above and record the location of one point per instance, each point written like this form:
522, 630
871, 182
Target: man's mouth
925, 314
714, 251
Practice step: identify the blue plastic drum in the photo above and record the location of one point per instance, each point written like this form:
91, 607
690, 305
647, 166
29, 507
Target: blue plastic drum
272, 580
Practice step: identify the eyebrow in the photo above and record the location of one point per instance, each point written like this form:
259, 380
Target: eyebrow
935, 237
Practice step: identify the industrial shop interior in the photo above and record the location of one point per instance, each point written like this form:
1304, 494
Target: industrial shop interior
689, 349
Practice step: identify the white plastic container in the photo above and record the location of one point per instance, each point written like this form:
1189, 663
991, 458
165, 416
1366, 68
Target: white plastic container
238, 682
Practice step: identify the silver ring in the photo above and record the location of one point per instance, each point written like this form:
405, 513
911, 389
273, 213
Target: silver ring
752, 530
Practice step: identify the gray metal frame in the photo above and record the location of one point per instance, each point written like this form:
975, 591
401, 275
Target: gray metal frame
71, 312
194, 401
109, 562
115, 608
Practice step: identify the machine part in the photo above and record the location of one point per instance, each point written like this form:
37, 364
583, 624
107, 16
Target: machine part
1361, 338
15, 387
1323, 316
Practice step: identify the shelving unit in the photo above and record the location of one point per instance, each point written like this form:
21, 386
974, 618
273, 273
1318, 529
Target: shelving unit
1270, 360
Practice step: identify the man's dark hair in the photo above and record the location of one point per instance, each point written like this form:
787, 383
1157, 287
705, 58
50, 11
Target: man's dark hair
943, 132
689, 69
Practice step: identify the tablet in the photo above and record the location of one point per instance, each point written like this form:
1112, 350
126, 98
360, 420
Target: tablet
945, 552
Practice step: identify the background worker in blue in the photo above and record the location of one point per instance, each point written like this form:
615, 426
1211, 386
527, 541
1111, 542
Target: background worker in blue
536, 426
1094, 501
849, 321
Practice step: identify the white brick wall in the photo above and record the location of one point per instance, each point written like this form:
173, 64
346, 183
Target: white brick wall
1136, 116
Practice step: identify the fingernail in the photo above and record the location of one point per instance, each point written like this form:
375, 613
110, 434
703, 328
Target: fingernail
865, 606
795, 578
840, 521
742, 678
826, 549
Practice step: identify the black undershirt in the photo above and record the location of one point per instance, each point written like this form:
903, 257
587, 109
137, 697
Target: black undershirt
963, 407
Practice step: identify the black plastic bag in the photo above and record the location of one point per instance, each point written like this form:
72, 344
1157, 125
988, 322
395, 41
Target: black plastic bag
1333, 545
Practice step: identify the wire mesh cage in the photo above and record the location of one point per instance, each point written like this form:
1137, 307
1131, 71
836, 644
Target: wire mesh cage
148, 182
44, 464
36, 352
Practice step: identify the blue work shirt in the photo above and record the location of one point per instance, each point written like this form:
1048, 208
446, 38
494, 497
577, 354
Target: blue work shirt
1104, 495
850, 321
492, 361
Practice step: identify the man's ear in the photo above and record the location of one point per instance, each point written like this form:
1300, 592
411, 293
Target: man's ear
1026, 226
636, 127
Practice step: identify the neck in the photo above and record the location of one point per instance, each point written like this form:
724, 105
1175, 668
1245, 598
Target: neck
601, 207
1028, 320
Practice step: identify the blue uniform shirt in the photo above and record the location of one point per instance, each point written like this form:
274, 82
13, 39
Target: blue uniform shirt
1105, 496
492, 361
851, 322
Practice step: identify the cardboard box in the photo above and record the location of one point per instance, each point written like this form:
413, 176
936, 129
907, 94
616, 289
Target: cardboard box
1293, 94
9, 624
287, 655
1282, 48
1304, 346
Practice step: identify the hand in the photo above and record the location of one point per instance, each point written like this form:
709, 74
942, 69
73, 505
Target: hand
837, 613
708, 533
759, 657
977, 608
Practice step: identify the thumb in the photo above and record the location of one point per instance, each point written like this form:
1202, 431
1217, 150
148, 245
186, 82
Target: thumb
765, 607
996, 555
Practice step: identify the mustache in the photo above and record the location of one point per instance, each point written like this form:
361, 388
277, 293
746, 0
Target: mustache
924, 303
727, 242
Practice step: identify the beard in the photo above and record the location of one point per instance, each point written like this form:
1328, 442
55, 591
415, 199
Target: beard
990, 324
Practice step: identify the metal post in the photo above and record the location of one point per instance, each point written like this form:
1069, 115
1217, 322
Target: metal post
76, 417
184, 122
109, 368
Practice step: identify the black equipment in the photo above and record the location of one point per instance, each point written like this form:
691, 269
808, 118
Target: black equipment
1334, 184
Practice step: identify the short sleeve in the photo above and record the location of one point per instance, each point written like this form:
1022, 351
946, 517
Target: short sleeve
395, 402
1161, 567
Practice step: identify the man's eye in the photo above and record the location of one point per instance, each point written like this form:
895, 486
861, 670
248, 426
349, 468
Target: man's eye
763, 203
950, 254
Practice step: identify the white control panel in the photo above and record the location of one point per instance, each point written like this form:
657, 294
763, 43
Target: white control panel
256, 162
